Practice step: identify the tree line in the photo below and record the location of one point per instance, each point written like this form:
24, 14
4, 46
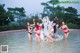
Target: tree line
51, 9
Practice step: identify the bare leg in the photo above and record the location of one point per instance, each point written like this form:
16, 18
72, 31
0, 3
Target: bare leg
49, 38
30, 36
66, 35
38, 38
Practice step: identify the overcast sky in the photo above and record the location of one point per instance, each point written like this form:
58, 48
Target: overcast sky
32, 6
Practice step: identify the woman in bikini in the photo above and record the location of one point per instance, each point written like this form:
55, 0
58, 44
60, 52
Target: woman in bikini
29, 29
65, 29
38, 29
49, 33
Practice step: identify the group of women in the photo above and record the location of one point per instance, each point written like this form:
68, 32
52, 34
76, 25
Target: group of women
45, 29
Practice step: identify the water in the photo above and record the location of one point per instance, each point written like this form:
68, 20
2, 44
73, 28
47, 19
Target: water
18, 43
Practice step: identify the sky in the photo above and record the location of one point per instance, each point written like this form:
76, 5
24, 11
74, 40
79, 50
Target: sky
32, 6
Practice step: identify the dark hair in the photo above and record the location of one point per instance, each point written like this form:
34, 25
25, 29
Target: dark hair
36, 23
55, 27
42, 26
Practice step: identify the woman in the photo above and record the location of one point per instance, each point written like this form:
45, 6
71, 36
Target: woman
65, 29
49, 33
38, 29
29, 29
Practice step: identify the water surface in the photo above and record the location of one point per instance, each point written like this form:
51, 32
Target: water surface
18, 43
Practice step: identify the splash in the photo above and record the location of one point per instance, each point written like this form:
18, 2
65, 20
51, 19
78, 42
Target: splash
47, 24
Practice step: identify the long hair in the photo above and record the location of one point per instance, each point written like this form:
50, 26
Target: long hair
55, 29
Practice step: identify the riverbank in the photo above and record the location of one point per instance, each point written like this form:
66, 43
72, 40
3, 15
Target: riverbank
12, 31
23, 30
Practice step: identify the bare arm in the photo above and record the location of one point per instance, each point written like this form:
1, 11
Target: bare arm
49, 30
60, 27
34, 21
42, 21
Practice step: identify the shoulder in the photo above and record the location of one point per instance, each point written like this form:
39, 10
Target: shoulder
66, 25
41, 24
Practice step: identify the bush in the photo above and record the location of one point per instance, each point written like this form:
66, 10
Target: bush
3, 28
12, 26
72, 26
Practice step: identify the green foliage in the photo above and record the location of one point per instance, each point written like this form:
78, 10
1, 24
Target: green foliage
49, 9
53, 2
13, 26
3, 16
16, 25
71, 10
52, 11
3, 28
17, 12
69, 14
72, 26
8, 16
33, 17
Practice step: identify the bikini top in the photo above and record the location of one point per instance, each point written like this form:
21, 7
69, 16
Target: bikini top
64, 28
38, 27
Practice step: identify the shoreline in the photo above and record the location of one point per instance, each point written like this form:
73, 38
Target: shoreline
12, 31
23, 30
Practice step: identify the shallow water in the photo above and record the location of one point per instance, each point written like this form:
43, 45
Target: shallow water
18, 43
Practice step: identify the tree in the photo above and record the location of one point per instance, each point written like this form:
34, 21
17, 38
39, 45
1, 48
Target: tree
59, 12
67, 14
3, 15
17, 12
70, 14
51, 10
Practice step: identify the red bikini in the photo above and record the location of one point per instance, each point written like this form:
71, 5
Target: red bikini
65, 29
38, 28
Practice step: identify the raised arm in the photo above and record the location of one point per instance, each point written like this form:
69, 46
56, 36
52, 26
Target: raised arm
60, 27
34, 21
42, 21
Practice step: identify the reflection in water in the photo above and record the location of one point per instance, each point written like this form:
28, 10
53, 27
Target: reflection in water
19, 43
65, 46
30, 47
38, 48
49, 47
